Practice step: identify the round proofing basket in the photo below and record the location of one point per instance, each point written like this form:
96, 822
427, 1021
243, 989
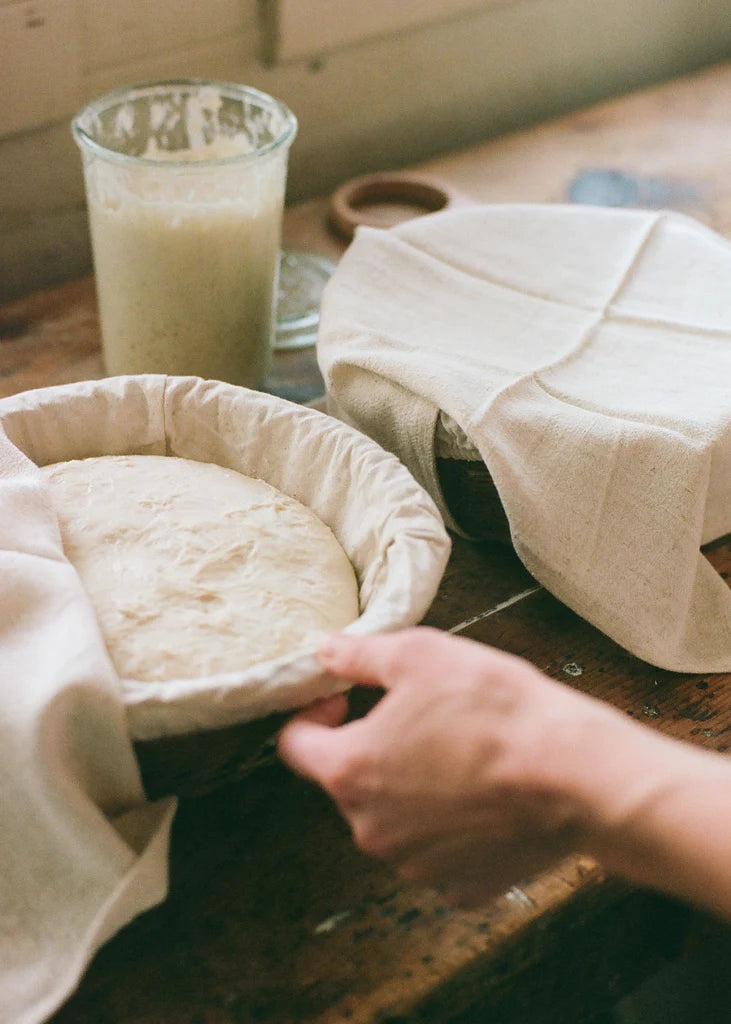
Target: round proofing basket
387, 524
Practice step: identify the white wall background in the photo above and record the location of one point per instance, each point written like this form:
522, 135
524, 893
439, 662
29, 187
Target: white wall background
473, 70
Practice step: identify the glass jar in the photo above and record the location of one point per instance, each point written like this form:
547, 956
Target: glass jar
185, 188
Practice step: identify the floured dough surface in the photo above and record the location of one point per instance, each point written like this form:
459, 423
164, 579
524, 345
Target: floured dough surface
194, 569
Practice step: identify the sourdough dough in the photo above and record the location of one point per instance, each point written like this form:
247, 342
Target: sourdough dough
194, 569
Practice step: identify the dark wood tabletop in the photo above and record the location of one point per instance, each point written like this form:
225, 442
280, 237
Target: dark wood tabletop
273, 915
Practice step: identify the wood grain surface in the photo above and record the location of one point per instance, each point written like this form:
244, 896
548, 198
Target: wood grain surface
273, 915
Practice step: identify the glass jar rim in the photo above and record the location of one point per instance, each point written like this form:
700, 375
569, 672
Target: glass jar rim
87, 142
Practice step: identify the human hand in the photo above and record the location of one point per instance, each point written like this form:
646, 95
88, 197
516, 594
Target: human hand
464, 776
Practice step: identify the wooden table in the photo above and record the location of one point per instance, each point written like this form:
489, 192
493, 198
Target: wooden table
273, 916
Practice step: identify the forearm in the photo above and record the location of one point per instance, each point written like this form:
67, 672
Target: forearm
669, 827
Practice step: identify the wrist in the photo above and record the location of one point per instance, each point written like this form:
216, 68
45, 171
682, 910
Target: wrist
660, 819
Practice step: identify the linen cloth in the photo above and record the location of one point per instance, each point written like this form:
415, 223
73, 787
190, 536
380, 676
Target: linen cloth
585, 354
81, 852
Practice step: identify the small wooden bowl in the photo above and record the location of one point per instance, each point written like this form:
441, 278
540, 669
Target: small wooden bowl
349, 203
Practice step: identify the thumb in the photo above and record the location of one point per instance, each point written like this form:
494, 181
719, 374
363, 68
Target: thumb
308, 744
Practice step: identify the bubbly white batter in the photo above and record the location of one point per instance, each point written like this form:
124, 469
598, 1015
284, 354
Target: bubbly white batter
194, 569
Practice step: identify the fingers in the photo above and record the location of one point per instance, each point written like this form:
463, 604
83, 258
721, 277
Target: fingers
384, 659
306, 744
305, 747
330, 711
359, 659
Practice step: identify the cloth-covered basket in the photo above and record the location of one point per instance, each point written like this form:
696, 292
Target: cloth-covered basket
559, 375
387, 524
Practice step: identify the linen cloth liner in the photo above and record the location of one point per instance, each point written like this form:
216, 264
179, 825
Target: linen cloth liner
81, 852
586, 354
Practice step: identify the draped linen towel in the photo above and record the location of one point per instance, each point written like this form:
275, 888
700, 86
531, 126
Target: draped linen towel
81, 852
585, 354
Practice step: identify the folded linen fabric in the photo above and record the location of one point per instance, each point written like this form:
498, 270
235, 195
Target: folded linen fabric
585, 353
81, 852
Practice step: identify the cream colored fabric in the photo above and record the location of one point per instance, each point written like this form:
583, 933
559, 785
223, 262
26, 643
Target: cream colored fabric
586, 354
81, 853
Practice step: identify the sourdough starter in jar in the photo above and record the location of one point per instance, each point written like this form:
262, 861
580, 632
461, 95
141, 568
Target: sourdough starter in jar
185, 188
